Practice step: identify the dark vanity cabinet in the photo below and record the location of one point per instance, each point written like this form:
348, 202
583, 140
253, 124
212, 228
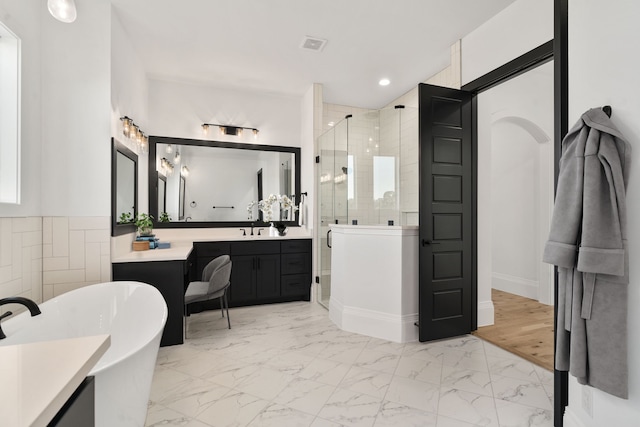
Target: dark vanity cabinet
262, 272
171, 279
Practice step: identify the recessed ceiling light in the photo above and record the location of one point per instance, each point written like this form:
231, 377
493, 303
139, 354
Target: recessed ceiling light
384, 82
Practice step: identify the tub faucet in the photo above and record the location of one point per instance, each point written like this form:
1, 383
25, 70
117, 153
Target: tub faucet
32, 306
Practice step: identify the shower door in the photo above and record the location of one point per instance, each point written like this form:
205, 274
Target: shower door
332, 200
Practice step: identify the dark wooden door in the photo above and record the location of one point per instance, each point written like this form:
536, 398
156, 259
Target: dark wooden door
447, 290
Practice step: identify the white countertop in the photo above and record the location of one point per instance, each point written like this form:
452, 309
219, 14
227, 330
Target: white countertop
182, 242
38, 378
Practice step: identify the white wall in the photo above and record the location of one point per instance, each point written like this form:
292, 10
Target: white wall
515, 183
75, 125
524, 25
129, 95
506, 36
611, 30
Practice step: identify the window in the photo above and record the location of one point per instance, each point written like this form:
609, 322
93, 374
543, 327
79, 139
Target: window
9, 116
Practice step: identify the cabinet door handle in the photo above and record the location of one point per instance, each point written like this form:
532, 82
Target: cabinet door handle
328, 244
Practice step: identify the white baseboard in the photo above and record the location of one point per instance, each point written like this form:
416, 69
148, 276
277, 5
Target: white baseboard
485, 313
515, 285
391, 327
570, 419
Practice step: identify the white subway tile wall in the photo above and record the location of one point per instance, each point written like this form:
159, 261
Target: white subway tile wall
21, 258
44, 257
76, 253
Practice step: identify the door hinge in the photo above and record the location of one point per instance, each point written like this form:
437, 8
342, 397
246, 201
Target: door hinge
317, 159
317, 279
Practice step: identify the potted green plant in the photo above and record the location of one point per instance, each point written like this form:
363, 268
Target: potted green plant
144, 222
125, 218
164, 217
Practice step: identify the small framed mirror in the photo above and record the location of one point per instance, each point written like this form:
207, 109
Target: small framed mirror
124, 189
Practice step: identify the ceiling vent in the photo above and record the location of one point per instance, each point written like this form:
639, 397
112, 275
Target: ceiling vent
313, 43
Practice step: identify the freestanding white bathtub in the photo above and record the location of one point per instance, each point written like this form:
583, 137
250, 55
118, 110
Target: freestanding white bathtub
133, 314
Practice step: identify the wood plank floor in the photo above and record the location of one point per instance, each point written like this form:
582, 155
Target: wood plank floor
522, 326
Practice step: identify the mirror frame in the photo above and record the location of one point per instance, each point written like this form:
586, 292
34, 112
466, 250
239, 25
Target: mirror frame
153, 180
118, 147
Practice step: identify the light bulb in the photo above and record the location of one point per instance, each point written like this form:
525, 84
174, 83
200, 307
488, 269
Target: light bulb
63, 10
205, 128
177, 157
169, 148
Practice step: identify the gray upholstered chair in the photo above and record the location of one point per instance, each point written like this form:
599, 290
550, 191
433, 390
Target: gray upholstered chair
214, 284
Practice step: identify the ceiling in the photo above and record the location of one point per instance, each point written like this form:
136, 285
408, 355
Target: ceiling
256, 44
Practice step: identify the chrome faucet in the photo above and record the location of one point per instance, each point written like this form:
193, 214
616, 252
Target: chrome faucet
32, 306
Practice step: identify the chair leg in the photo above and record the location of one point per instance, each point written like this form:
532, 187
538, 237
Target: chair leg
222, 306
227, 304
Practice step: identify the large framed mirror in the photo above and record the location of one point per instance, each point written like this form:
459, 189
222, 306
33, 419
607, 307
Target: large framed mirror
218, 184
124, 188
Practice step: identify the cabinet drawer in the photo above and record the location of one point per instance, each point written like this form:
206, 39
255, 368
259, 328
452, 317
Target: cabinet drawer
255, 248
294, 246
212, 249
295, 263
295, 284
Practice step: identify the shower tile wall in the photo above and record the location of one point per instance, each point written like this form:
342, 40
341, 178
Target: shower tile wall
21, 258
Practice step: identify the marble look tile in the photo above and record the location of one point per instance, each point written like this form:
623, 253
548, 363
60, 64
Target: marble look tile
467, 380
343, 352
276, 415
521, 391
423, 351
229, 373
305, 395
266, 383
545, 376
383, 346
394, 414
161, 416
512, 368
200, 395
167, 384
349, 408
450, 422
325, 371
468, 407
321, 422
467, 343
377, 361
292, 362
233, 410
516, 415
495, 351
367, 381
413, 393
473, 360
421, 369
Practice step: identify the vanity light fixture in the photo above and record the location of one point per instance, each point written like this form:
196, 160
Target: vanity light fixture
166, 166
184, 171
229, 130
63, 10
133, 132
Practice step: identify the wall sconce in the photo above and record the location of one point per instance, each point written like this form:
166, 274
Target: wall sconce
133, 132
166, 166
229, 130
184, 171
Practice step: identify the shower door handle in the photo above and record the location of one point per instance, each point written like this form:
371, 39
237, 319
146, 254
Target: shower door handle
328, 232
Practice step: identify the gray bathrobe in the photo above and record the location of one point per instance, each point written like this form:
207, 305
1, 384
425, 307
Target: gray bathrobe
588, 243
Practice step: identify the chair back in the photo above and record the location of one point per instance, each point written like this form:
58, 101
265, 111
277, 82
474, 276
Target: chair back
219, 272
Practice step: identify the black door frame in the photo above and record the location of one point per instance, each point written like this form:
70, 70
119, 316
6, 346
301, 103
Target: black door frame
556, 50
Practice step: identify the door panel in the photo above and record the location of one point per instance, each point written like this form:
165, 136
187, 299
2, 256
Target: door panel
446, 235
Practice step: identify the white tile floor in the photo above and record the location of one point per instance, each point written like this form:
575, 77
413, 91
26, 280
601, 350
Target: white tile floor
289, 365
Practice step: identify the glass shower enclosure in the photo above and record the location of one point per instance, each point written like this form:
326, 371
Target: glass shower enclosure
368, 175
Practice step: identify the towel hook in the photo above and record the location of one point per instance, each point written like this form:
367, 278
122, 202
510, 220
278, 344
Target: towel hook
607, 110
